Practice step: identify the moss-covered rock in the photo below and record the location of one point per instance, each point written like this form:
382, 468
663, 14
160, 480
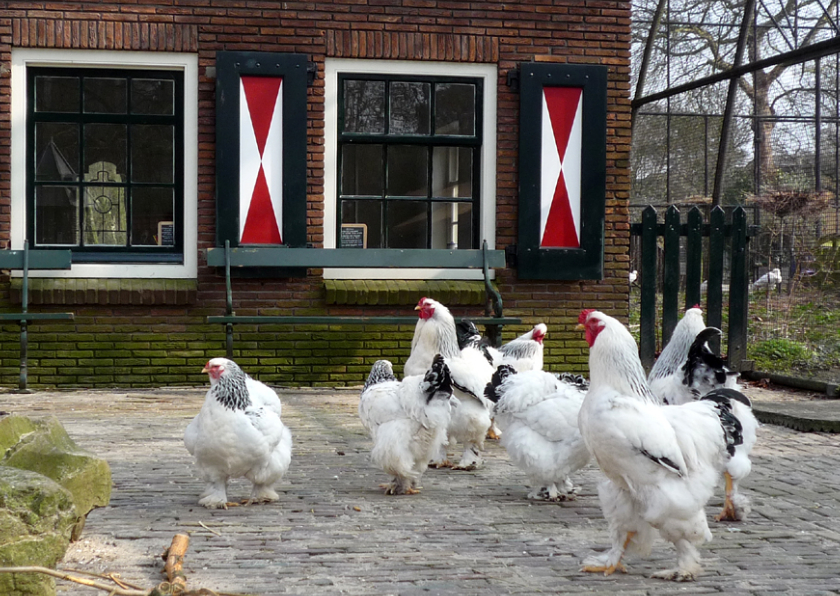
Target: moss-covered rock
42, 445
37, 516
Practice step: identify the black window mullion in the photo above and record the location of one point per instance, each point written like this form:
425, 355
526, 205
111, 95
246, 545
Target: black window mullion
385, 236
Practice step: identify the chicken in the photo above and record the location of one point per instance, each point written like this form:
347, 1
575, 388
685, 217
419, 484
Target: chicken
661, 463
433, 334
238, 433
407, 421
633, 276
470, 370
538, 414
523, 353
687, 370
769, 280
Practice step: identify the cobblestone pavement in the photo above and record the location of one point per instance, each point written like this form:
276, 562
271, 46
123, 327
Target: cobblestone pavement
334, 532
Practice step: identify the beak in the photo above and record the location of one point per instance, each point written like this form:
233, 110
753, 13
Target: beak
205, 370
580, 327
417, 307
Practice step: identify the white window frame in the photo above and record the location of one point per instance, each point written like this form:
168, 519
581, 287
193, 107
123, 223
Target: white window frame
23, 58
489, 74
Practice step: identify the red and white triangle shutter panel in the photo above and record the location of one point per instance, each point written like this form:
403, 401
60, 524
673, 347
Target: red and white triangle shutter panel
560, 188
260, 160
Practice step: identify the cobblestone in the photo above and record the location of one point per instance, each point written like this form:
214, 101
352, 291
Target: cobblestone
334, 532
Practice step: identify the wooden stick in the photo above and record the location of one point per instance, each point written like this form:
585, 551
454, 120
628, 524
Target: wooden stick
175, 560
79, 580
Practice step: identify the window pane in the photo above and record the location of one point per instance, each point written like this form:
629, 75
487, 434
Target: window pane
105, 96
361, 170
452, 225
56, 94
105, 143
56, 151
152, 216
364, 106
452, 172
407, 171
368, 213
454, 109
56, 215
407, 224
410, 109
152, 96
105, 222
152, 153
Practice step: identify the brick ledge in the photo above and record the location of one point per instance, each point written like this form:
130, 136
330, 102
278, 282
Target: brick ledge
47, 290
399, 291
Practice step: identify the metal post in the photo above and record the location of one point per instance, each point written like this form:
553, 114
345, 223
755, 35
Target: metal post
24, 336
228, 304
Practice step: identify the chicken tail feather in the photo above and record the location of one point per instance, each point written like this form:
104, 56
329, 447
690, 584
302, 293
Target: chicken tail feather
732, 429
438, 381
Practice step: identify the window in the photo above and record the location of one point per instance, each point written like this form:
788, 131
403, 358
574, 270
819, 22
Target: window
105, 181
409, 173
410, 157
107, 160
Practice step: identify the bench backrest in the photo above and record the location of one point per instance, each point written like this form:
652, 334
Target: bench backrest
38, 259
265, 256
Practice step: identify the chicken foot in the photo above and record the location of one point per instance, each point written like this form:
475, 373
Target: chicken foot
609, 562
729, 513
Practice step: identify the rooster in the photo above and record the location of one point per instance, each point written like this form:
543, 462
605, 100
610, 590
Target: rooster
407, 421
470, 370
238, 433
661, 463
538, 413
689, 370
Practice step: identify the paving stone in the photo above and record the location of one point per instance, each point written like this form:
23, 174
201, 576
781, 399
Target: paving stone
465, 534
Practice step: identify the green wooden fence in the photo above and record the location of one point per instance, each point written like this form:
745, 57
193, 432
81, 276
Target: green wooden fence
733, 236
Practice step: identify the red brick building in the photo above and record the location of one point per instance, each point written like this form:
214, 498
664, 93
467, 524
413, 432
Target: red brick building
417, 124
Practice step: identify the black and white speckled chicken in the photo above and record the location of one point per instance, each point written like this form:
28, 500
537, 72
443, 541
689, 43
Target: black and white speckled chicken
238, 433
407, 421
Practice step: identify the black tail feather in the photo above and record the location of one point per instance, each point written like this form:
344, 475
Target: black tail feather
467, 333
699, 353
578, 381
499, 376
732, 429
437, 382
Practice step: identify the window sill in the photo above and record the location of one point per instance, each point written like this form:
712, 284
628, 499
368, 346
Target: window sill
136, 292
403, 292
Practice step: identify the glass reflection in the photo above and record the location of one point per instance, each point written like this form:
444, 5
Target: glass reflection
410, 108
364, 106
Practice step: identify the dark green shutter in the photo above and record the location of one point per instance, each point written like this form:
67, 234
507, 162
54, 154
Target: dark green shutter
230, 67
585, 260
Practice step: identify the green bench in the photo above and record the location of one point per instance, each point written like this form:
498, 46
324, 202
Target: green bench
24, 260
320, 258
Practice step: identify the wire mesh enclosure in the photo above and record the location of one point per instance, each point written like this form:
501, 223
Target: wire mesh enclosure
739, 104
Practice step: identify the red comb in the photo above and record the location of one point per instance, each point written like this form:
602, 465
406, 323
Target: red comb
697, 306
585, 313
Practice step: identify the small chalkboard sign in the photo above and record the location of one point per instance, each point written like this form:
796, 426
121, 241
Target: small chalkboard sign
354, 235
166, 233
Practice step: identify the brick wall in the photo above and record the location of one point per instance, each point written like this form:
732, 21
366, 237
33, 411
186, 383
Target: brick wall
138, 342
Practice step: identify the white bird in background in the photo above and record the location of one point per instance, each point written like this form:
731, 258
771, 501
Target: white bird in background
769, 280
538, 414
522, 353
238, 433
661, 462
687, 370
407, 421
633, 276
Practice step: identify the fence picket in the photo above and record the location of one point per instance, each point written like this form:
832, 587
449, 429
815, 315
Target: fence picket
738, 291
714, 291
647, 333
693, 257
671, 273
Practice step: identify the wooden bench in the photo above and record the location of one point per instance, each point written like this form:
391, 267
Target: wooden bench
319, 258
24, 260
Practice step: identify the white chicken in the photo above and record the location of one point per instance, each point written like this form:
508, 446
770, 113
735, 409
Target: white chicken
523, 353
769, 280
433, 334
238, 433
407, 421
538, 415
689, 370
470, 370
661, 462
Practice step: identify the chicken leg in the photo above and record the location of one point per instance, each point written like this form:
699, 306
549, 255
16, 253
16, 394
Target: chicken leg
728, 513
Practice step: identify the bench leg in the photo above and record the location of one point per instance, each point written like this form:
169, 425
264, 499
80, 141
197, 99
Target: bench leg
24, 348
229, 341
493, 333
